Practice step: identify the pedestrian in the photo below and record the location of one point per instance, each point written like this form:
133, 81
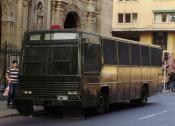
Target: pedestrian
12, 79
172, 81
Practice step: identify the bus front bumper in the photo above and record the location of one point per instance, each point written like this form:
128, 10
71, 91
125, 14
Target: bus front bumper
54, 103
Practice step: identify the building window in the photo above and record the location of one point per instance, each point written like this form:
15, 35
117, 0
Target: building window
164, 17
160, 38
134, 17
120, 18
127, 17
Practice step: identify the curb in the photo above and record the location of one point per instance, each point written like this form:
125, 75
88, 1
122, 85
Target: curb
6, 116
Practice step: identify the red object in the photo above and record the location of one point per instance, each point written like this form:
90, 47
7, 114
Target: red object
55, 27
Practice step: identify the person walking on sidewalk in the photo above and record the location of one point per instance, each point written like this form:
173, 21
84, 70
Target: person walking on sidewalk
12, 78
172, 81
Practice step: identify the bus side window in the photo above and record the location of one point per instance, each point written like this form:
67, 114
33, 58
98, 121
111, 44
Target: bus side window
123, 53
109, 52
156, 57
135, 55
145, 53
92, 57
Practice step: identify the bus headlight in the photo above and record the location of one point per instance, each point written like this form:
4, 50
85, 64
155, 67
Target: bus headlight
72, 92
26, 92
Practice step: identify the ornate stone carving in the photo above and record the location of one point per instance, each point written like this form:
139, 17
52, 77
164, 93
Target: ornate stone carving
4, 4
40, 15
58, 5
26, 2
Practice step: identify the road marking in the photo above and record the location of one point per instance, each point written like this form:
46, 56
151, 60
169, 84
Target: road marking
152, 115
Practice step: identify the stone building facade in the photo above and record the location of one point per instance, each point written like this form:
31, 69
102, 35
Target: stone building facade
18, 16
23, 15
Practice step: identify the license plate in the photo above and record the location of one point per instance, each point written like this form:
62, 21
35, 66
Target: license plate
62, 98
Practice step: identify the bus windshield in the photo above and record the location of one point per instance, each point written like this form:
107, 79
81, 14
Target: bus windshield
50, 59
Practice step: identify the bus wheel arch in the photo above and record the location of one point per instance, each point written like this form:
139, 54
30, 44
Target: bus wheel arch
103, 99
144, 93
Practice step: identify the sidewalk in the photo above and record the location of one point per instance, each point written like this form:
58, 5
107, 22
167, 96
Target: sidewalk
4, 111
166, 91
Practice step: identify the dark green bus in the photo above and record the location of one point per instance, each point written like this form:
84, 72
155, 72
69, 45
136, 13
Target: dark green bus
71, 68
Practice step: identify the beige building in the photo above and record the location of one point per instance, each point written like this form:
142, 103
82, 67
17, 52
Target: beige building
149, 21
22, 15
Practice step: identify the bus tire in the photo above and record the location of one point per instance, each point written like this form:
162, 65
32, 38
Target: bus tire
143, 98
24, 107
103, 102
144, 95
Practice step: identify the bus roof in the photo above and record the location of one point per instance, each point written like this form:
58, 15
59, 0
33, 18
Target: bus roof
92, 33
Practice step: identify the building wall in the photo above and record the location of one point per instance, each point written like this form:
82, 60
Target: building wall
171, 42
145, 9
145, 23
19, 16
145, 37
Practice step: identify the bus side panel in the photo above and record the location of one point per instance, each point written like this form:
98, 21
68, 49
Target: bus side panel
89, 91
109, 78
123, 78
113, 92
135, 82
154, 81
146, 76
160, 74
126, 91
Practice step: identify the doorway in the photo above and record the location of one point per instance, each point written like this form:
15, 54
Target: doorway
72, 20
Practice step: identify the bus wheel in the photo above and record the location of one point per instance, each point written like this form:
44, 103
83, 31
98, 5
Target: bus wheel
24, 107
143, 98
103, 104
144, 95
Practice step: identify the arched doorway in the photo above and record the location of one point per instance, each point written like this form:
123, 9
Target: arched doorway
72, 20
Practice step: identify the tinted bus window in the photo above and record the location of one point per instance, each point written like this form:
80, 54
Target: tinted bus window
92, 57
62, 53
156, 57
135, 55
35, 59
123, 53
109, 52
145, 53
65, 60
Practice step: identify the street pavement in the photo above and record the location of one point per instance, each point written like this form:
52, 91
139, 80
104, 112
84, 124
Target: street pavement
6, 112
159, 111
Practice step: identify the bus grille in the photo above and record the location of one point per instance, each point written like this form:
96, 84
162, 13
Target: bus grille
48, 89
